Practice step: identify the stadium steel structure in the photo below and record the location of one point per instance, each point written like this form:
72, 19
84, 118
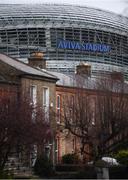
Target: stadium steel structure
66, 35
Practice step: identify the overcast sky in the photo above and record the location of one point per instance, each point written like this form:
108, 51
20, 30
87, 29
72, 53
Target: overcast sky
118, 6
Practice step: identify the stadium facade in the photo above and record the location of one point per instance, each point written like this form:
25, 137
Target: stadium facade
67, 35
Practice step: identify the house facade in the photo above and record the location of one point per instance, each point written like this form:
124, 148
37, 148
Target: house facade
66, 87
70, 90
21, 80
95, 102
66, 99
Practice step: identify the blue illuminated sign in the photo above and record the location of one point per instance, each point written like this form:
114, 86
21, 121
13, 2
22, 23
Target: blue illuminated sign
94, 47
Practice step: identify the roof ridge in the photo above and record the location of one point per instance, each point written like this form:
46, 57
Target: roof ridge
46, 71
29, 70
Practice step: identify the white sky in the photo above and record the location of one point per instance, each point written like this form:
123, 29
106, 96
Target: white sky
117, 6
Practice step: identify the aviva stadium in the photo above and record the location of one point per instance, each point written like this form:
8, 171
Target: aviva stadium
67, 35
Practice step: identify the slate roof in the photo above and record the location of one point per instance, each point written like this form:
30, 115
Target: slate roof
75, 80
90, 83
26, 69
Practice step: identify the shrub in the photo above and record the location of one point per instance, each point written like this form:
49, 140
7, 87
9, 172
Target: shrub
67, 167
88, 172
6, 174
70, 159
43, 167
122, 157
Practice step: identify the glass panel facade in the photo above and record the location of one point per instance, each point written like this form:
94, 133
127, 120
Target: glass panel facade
24, 29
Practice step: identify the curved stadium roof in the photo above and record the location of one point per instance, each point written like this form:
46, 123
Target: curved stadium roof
18, 14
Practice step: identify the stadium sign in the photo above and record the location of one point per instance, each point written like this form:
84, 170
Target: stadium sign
94, 47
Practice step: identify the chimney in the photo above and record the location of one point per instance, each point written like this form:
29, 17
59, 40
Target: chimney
36, 60
117, 76
83, 69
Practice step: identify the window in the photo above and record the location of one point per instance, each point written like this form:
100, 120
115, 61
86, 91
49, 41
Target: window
71, 114
58, 101
71, 110
73, 145
33, 97
45, 97
93, 110
72, 101
58, 108
33, 94
33, 155
57, 149
46, 102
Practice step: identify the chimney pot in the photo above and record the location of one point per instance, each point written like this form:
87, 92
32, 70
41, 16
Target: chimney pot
37, 60
83, 69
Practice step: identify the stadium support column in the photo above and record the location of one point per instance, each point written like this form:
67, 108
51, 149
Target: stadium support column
48, 39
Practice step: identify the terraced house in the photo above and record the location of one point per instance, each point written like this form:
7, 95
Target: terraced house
84, 113
22, 81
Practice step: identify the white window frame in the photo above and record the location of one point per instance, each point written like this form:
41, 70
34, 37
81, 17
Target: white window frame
58, 107
33, 94
46, 103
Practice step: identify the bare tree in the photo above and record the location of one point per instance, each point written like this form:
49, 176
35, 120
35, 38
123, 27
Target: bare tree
112, 110
79, 117
97, 117
22, 125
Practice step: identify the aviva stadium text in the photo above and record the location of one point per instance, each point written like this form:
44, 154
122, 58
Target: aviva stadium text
63, 44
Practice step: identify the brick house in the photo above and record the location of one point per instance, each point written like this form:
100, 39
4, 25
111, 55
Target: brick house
68, 86
64, 142
17, 78
41, 84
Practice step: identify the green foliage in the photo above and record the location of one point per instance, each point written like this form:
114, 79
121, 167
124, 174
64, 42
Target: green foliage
70, 159
43, 167
122, 157
101, 163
